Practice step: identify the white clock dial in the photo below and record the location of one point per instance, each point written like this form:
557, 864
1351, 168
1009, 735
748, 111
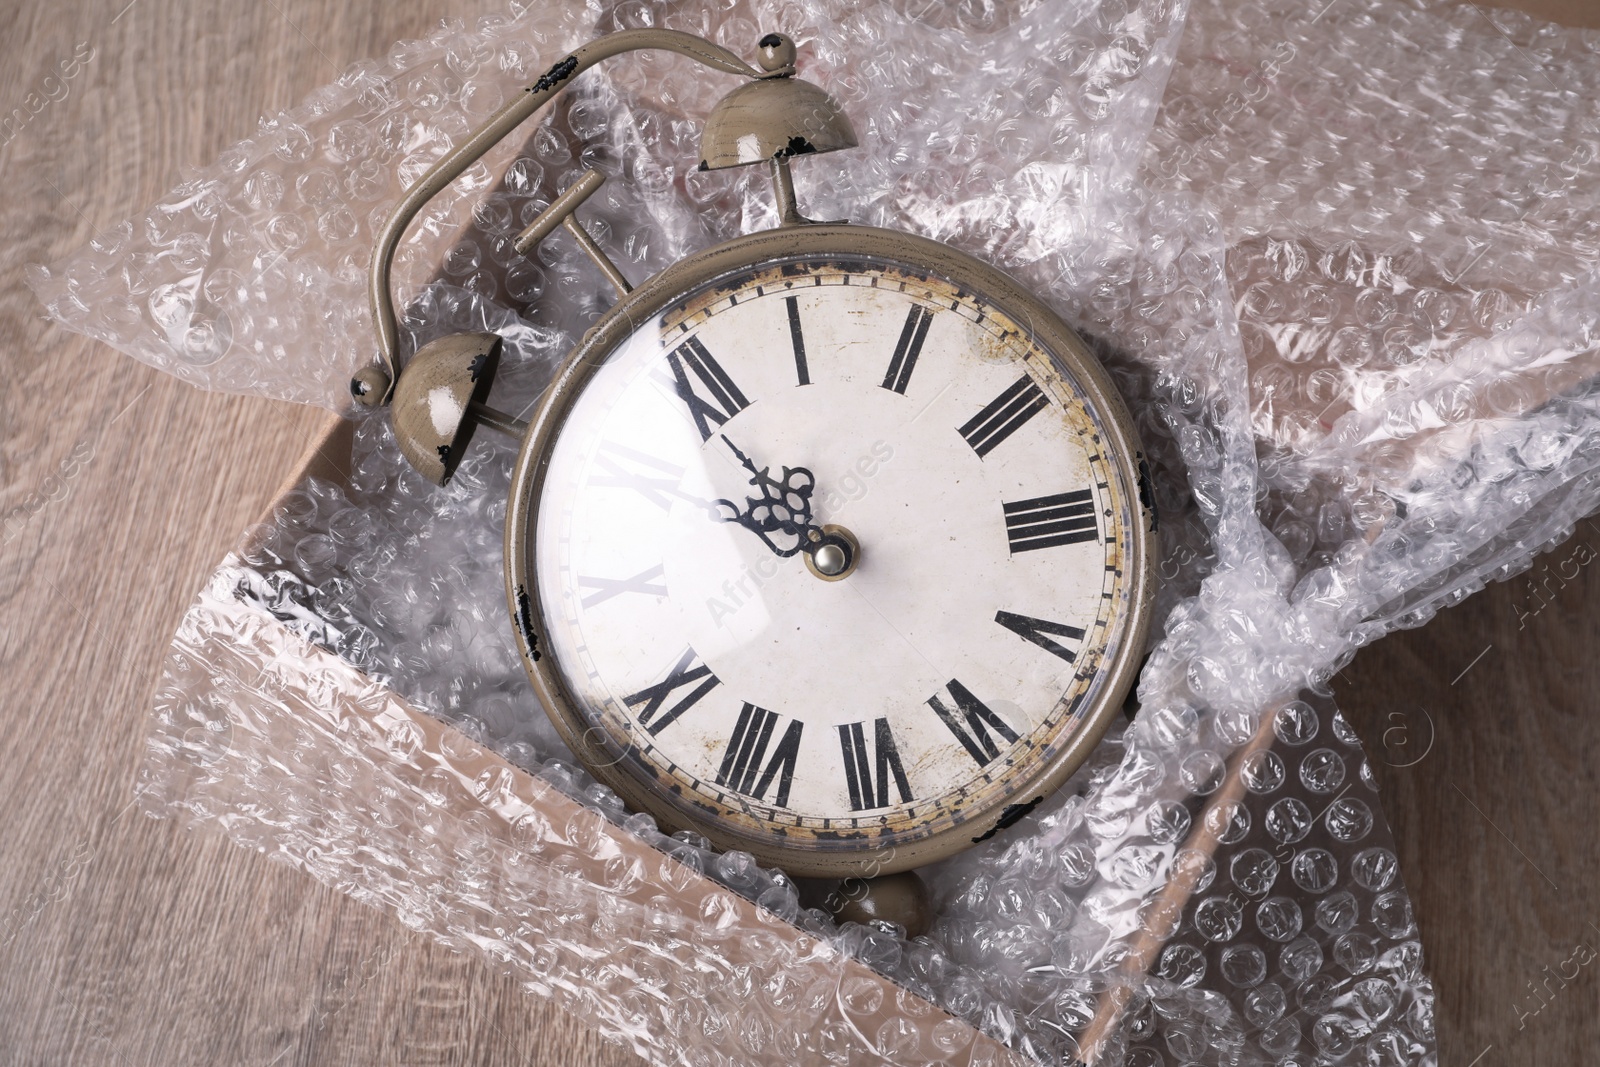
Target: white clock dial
933, 449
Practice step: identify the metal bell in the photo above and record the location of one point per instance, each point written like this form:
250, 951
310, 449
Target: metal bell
776, 116
438, 401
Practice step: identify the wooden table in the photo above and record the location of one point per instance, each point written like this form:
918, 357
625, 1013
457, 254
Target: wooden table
127, 941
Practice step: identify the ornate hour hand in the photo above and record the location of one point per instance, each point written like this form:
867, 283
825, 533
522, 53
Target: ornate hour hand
781, 517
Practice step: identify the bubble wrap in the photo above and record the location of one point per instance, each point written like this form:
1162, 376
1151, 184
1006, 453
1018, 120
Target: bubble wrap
1407, 193
1342, 270
550, 882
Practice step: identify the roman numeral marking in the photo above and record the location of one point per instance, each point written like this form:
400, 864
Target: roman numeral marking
606, 588
971, 722
909, 348
1041, 632
798, 340
868, 778
724, 399
653, 697
741, 764
1048, 521
628, 468
1004, 415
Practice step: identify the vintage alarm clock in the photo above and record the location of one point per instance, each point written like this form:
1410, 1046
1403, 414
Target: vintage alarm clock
826, 543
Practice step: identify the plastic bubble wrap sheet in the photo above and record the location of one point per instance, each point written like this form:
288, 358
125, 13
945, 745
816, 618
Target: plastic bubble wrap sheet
1407, 192
250, 276
1343, 276
549, 883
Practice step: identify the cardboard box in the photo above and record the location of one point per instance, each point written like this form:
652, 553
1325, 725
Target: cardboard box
289, 749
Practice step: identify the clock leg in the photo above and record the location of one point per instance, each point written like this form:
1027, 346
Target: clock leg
902, 899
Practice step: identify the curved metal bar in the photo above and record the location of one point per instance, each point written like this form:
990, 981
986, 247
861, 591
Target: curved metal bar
512, 115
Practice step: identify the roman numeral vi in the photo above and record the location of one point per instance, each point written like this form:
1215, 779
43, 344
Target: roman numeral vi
970, 721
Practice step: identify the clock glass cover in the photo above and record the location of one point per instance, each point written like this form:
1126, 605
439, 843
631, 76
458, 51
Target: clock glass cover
832, 553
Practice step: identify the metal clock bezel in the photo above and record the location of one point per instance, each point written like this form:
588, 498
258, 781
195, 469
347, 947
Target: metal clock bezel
887, 852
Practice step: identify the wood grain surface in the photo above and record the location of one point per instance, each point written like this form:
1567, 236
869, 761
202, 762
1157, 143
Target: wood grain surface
126, 941
122, 939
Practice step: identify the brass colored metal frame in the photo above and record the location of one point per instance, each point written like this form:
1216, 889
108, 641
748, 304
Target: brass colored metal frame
772, 117
372, 386
649, 301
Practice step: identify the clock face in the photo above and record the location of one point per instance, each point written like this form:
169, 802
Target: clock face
832, 553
